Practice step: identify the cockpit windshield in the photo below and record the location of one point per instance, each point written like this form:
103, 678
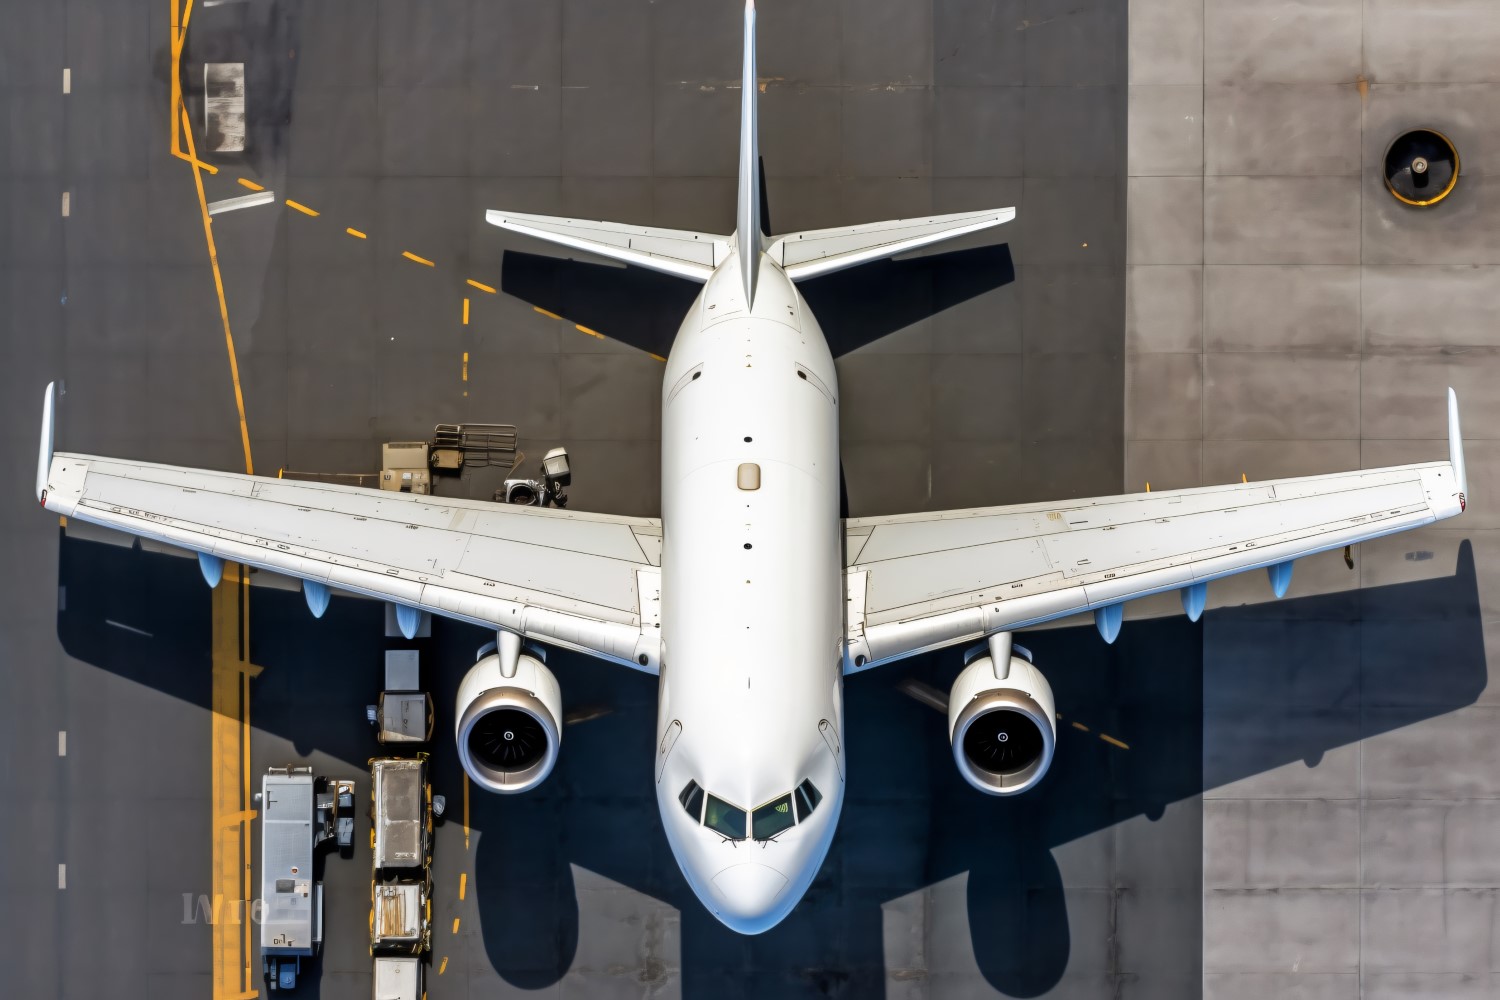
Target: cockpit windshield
692, 800
772, 818
808, 798
768, 821
724, 819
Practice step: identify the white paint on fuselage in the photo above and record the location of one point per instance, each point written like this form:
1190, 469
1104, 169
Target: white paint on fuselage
752, 637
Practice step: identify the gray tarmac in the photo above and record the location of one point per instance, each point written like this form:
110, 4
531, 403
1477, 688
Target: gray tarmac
1308, 791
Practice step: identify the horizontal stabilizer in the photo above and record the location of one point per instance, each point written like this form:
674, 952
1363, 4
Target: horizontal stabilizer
821, 251
679, 252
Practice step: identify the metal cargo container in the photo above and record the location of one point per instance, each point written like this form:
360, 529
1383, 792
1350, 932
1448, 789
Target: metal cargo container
401, 813
398, 977
402, 917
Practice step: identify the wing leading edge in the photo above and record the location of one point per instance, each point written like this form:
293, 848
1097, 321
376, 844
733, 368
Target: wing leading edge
588, 582
919, 582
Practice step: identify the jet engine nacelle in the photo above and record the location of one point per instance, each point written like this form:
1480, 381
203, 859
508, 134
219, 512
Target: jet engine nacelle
509, 728
1003, 730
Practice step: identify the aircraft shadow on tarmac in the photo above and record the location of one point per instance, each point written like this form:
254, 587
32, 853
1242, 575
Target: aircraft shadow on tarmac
1289, 681
855, 307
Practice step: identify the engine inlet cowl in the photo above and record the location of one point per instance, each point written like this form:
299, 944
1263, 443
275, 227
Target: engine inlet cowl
1003, 731
508, 730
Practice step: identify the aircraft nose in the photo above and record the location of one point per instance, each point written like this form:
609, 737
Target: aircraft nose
746, 894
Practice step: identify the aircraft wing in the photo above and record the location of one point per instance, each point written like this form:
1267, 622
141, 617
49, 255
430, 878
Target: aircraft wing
919, 582
823, 251
588, 582
678, 252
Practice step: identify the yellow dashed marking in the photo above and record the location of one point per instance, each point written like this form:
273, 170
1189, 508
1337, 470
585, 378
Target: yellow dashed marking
1112, 741
583, 329
455, 925
301, 208
658, 357
246, 182
466, 366
1080, 726
443, 965
356, 234
544, 312
466, 311
463, 883
481, 286
420, 260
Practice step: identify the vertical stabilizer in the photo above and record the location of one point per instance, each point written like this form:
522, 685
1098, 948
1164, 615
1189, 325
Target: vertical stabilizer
747, 220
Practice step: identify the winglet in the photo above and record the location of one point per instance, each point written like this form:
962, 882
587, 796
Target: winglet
748, 240
44, 452
1456, 451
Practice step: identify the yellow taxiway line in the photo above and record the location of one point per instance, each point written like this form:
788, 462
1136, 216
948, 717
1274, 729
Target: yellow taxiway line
233, 951
213, 260
229, 772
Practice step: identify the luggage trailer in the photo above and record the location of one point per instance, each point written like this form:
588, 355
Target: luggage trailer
401, 874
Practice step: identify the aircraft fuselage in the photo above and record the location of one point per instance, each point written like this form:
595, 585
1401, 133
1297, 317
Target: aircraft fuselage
752, 590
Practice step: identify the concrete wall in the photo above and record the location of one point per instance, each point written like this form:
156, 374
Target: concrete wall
1286, 316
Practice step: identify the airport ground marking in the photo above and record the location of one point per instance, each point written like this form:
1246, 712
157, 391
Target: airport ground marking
480, 285
62, 876
1103, 736
213, 259
545, 312
298, 206
583, 329
466, 366
230, 618
199, 164
180, 21
246, 182
455, 925
420, 260
466, 812
230, 780
466, 314
355, 233
463, 883
67, 80
443, 965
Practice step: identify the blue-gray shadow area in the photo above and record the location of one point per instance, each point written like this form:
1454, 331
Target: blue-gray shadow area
1286, 682
854, 307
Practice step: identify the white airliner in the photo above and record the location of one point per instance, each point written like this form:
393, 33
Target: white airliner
749, 598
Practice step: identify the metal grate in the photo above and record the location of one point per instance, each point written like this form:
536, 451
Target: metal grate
481, 445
